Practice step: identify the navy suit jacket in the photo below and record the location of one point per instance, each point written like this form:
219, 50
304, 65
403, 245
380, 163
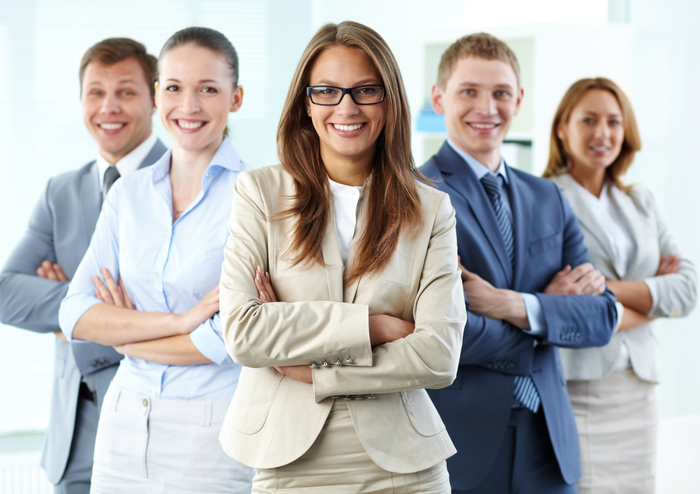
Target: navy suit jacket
477, 406
60, 229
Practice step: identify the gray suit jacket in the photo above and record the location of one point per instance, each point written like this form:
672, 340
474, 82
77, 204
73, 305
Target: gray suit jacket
60, 229
673, 295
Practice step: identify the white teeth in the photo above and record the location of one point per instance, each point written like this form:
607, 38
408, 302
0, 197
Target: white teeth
483, 126
111, 126
190, 125
348, 127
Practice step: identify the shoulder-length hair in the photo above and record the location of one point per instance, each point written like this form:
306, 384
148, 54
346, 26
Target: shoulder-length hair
393, 204
559, 155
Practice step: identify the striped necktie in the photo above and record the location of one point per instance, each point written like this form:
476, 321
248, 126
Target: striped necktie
525, 391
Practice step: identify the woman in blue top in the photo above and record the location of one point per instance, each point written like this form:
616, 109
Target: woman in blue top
162, 231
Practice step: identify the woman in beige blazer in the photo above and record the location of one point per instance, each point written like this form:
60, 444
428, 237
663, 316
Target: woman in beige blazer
593, 142
357, 260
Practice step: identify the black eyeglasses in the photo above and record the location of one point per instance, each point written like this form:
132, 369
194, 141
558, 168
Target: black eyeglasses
369, 94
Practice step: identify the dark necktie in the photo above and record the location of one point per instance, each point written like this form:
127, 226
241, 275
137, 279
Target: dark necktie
525, 391
111, 176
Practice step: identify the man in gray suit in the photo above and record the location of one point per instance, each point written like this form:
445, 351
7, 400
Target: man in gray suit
116, 81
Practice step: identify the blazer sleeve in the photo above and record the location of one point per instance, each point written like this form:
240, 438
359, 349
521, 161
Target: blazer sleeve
673, 295
429, 357
27, 301
576, 321
266, 335
496, 345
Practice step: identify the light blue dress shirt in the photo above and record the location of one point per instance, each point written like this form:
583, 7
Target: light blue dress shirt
535, 315
165, 267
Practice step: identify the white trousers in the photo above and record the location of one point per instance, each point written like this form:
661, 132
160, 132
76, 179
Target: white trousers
148, 445
617, 426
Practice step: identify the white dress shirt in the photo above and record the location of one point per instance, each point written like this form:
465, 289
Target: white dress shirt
346, 199
618, 232
128, 163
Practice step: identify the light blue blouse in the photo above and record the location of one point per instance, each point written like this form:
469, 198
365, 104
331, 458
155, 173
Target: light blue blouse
165, 267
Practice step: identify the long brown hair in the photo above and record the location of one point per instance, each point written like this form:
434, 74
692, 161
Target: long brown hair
559, 155
393, 202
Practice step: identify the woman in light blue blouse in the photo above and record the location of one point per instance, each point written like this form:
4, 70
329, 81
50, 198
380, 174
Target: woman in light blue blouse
162, 231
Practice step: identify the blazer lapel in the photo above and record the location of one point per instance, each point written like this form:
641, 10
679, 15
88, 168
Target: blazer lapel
521, 203
637, 230
351, 290
587, 219
154, 154
459, 175
333, 260
91, 200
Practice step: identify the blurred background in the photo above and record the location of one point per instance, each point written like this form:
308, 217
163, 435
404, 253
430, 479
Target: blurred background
648, 47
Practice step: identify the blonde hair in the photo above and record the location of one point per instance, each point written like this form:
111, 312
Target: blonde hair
559, 154
479, 45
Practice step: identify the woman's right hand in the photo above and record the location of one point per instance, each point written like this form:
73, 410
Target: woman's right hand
205, 309
668, 265
383, 329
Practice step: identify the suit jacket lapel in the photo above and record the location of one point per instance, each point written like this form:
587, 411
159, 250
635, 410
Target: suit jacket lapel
463, 180
587, 218
351, 290
154, 154
521, 203
91, 200
333, 260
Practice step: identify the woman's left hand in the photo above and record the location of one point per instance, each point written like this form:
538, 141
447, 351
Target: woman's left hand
299, 372
267, 295
111, 293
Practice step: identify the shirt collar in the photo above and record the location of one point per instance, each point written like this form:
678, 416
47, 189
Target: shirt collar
225, 157
479, 169
128, 163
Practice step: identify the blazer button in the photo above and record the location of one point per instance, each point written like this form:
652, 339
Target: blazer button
359, 397
95, 363
371, 397
325, 364
313, 365
338, 362
349, 360
334, 397
347, 397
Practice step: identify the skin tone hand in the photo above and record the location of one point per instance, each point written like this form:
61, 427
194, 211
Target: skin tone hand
495, 303
636, 297
172, 350
382, 328
668, 265
582, 280
53, 272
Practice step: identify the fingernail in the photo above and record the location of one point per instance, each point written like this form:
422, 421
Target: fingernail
266, 274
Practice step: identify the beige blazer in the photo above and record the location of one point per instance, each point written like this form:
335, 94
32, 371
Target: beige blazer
274, 419
673, 295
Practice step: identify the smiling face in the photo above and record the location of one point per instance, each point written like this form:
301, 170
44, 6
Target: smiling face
117, 107
479, 101
195, 94
594, 133
347, 132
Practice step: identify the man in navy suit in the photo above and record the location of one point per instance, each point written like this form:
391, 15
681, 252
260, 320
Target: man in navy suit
117, 94
529, 288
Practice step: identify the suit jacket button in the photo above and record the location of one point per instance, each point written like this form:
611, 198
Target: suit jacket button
313, 365
338, 362
335, 397
347, 397
95, 363
349, 360
359, 397
325, 364
371, 397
